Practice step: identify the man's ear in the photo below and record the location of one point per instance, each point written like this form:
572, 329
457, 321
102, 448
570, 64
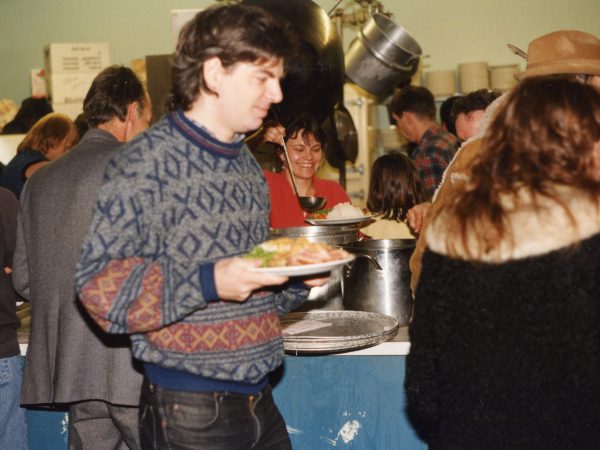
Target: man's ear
409, 118
211, 72
132, 112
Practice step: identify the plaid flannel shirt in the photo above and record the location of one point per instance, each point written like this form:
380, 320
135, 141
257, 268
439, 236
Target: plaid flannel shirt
432, 156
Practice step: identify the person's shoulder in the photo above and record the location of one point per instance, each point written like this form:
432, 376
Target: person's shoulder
273, 177
8, 198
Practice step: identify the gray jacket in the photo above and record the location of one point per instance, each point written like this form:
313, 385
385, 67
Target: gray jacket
69, 358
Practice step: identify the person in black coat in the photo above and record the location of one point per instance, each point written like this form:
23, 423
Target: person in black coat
505, 342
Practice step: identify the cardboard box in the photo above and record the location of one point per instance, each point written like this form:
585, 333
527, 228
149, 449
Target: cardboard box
71, 109
76, 57
69, 88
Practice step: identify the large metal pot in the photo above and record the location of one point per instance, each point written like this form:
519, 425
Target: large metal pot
378, 280
328, 296
383, 55
336, 235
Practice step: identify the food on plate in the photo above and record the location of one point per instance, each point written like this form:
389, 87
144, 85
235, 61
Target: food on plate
294, 252
340, 211
345, 211
319, 214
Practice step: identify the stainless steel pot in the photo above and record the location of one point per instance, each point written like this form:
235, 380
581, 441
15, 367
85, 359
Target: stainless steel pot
378, 280
328, 296
383, 55
336, 235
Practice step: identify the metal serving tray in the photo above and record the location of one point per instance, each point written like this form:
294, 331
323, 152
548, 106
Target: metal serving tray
345, 330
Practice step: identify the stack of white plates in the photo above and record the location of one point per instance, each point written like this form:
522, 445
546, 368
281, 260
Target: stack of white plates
473, 76
335, 331
441, 83
503, 77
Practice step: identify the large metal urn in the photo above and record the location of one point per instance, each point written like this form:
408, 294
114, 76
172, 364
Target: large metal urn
378, 280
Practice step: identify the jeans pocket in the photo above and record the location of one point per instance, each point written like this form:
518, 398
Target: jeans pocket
187, 423
199, 415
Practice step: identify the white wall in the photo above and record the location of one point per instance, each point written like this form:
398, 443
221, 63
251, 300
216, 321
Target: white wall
450, 31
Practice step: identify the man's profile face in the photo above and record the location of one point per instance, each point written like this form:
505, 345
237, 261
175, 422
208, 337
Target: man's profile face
403, 126
467, 124
246, 92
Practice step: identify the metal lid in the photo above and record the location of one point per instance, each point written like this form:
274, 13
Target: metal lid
341, 233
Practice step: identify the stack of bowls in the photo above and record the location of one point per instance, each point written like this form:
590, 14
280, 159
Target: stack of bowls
473, 76
441, 83
503, 77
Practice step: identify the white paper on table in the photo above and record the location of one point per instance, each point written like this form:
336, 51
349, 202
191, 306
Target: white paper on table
303, 326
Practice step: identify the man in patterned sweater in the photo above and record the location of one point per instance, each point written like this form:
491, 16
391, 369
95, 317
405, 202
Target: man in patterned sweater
178, 205
413, 109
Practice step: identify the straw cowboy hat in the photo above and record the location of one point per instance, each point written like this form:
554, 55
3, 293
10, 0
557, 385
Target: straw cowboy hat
563, 52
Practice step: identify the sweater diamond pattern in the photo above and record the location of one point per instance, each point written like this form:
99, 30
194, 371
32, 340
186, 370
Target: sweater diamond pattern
173, 202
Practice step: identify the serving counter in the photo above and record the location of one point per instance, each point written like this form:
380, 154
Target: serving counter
346, 400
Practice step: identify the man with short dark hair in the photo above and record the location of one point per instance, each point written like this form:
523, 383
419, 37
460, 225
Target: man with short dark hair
70, 360
413, 108
178, 207
468, 111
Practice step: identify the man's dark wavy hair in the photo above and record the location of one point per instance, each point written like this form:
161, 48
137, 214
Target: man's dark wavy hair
233, 33
112, 91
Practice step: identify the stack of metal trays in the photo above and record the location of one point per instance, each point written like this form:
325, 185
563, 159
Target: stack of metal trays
321, 332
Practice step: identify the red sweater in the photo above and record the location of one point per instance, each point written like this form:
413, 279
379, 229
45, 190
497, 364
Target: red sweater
285, 210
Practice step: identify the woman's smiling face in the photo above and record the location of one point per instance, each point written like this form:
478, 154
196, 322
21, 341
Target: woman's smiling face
305, 154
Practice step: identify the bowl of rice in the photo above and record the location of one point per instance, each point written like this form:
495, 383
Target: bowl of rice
345, 211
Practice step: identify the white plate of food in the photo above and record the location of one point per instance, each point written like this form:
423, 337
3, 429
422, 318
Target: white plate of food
340, 214
305, 269
349, 221
298, 257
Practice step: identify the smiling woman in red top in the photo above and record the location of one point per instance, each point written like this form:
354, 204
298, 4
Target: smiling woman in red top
304, 139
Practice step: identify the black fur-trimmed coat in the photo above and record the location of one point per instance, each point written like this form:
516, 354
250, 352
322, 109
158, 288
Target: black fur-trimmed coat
505, 351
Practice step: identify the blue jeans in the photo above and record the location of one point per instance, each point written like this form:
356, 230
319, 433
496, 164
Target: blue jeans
210, 420
13, 423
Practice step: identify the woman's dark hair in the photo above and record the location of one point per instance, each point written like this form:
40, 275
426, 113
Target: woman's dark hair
112, 91
305, 125
545, 136
32, 109
233, 33
395, 186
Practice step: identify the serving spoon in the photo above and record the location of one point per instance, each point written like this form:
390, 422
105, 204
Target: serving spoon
308, 204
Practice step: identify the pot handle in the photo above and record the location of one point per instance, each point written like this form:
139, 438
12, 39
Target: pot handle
370, 258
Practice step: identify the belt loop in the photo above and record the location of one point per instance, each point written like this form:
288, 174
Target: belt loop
251, 401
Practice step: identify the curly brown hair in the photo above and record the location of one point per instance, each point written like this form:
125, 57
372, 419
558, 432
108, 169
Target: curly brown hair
233, 33
546, 135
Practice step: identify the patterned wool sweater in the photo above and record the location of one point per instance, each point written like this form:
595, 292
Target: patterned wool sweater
174, 201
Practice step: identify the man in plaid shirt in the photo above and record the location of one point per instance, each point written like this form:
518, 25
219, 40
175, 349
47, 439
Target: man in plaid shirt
413, 108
